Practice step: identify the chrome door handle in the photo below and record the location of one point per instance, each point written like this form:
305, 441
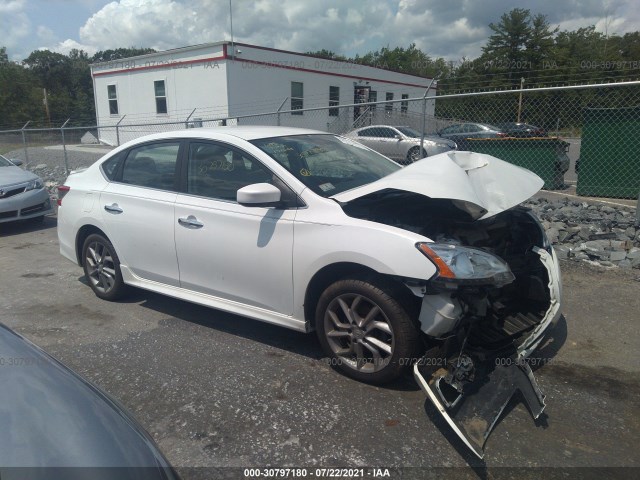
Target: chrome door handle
113, 208
190, 222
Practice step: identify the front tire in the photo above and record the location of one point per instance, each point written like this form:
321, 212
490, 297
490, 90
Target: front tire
366, 332
102, 268
413, 155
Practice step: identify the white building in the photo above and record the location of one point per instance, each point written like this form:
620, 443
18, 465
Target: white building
219, 80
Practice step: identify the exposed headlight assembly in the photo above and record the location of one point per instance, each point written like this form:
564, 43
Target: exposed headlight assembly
466, 265
36, 184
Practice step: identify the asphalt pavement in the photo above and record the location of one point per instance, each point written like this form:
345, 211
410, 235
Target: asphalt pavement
218, 390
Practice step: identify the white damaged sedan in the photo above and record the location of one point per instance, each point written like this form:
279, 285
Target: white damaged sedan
433, 265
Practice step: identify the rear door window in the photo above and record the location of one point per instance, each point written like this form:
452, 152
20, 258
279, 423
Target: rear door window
152, 165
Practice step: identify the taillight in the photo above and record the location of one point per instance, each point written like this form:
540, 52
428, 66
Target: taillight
62, 191
501, 134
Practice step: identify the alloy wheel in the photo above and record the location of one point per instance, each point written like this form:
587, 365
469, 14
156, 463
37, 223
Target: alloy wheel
101, 269
359, 333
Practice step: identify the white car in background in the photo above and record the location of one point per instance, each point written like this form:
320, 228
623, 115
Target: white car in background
314, 231
22, 193
402, 143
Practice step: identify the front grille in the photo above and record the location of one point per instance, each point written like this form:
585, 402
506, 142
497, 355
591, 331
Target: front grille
34, 209
9, 214
12, 192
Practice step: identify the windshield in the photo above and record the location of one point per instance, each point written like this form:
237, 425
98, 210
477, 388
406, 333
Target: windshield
327, 164
409, 132
4, 162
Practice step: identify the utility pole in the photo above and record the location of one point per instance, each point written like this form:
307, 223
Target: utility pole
233, 50
45, 100
520, 101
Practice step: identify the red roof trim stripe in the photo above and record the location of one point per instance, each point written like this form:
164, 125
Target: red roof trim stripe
269, 49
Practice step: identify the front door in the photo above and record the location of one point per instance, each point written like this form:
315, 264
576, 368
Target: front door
237, 253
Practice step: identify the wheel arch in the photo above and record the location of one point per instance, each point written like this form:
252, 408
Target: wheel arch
336, 271
82, 235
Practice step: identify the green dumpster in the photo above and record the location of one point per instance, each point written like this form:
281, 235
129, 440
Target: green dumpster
545, 156
610, 153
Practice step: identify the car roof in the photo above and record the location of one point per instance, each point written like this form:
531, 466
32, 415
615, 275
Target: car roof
355, 130
245, 132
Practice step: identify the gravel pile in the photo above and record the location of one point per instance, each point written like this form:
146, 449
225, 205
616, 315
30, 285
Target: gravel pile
601, 235
598, 234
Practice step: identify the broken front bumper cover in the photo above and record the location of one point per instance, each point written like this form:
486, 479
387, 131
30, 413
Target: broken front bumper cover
473, 411
473, 414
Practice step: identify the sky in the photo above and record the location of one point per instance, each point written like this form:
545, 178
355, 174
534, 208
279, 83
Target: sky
453, 29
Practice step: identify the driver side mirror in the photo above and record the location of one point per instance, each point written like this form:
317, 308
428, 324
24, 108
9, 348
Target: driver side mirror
259, 195
16, 161
397, 136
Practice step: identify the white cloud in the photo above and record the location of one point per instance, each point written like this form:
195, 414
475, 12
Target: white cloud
450, 29
14, 25
67, 45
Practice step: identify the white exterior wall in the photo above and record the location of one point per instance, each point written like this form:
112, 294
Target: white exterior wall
261, 81
195, 78
219, 84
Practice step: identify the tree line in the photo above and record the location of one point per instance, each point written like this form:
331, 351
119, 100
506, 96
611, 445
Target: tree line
522, 47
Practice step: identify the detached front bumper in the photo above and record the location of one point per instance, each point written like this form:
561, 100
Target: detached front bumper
30, 204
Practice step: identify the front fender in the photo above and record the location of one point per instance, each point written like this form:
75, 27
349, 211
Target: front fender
386, 250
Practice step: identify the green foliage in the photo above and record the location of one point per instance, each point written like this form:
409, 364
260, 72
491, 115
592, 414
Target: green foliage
119, 53
521, 45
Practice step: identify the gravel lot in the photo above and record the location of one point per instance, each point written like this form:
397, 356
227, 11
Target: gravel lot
217, 390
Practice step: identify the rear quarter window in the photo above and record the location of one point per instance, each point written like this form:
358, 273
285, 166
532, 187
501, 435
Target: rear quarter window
110, 167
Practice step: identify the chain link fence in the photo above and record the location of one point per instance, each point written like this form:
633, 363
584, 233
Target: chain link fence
581, 139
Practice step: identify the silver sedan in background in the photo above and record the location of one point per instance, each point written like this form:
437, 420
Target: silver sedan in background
401, 144
22, 193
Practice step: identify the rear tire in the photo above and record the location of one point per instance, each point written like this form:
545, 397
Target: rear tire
102, 268
366, 332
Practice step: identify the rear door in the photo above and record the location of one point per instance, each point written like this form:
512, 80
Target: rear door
138, 211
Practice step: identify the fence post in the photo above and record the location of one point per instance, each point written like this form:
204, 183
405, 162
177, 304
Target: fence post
520, 99
186, 122
24, 144
638, 211
424, 116
118, 131
280, 108
64, 147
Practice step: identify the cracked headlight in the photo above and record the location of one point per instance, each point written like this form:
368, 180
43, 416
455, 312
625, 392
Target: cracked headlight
36, 184
466, 265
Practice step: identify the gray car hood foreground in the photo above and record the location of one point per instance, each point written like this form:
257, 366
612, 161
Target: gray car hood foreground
55, 424
11, 175
479, 184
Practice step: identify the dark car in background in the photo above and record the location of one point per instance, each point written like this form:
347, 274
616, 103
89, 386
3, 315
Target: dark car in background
53, 422
459, 132
522, 130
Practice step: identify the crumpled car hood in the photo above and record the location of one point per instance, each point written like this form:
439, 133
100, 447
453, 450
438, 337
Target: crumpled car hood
479, 184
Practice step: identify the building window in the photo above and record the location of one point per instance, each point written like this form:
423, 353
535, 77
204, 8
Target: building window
297, 95
404, 106
334, 101
373, 97
388, 107
161, 96
112, 95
